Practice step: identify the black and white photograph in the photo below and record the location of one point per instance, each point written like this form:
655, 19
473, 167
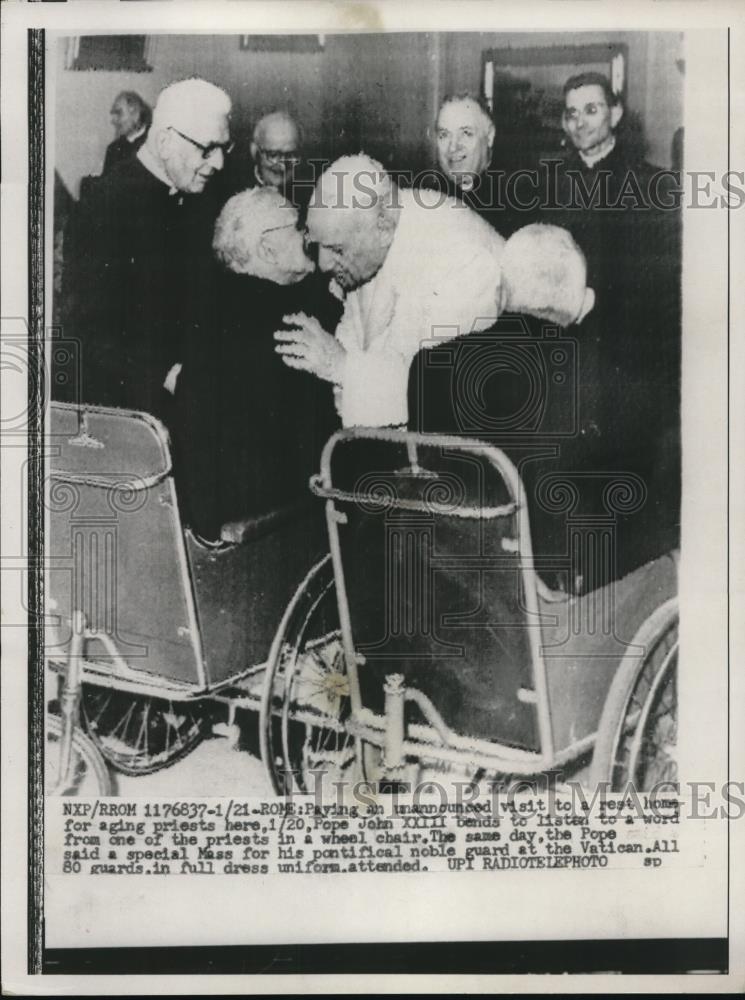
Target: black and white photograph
478, 292
373, 492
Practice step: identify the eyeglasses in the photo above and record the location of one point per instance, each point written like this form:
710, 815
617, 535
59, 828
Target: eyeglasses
308, 243
225, 147
280, 155
589, 109
276, 229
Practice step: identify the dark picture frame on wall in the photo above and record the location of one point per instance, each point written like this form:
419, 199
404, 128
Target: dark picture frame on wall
110, 53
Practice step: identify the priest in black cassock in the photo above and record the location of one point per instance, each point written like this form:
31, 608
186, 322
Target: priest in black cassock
131, 117
138, 273
248, 430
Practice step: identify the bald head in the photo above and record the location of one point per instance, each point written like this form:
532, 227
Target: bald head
275, 149
353, 216
190, 132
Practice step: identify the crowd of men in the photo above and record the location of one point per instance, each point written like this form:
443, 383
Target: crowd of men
210, 296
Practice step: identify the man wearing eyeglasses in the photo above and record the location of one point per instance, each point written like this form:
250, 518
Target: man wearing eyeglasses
140, 276
274, 149
621, 210
190, 136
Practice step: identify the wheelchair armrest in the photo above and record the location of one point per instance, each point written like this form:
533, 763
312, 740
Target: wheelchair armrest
250, 528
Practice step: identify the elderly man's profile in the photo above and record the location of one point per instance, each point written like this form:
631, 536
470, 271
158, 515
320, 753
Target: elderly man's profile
130, 117
248, 430
405, 262
141, 241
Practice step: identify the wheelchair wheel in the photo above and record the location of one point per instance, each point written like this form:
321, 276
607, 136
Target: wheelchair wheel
306, 694
88, 773
137, 733
637, 733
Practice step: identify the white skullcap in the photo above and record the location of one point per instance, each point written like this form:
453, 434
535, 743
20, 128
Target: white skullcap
352, 182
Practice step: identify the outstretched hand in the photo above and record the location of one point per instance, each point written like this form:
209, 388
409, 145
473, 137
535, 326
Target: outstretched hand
310, 348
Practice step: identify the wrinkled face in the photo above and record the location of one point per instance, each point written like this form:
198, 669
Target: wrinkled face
464, 139
350, 243
191, 155
588, 120
124, 118
277, 154
287, 245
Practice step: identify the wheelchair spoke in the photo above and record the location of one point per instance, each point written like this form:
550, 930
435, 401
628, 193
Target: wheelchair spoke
139, 734
143, 727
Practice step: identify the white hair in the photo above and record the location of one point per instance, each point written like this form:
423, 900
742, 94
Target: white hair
181, 103
544, 274
243, 220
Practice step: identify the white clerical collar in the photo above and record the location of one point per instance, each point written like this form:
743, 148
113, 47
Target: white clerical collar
151, 164
606, 150
134, 136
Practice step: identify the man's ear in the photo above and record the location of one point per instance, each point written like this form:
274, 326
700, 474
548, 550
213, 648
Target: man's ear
386, 222
162, 141
490, 133
265, 251
254, 149
588, 303
616, 114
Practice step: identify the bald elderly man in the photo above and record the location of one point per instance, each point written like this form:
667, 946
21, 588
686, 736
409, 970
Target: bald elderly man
410, 265
140, 270
415, 269
275, 150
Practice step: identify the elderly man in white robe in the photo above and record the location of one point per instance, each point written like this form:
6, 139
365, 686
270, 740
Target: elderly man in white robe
414, 268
